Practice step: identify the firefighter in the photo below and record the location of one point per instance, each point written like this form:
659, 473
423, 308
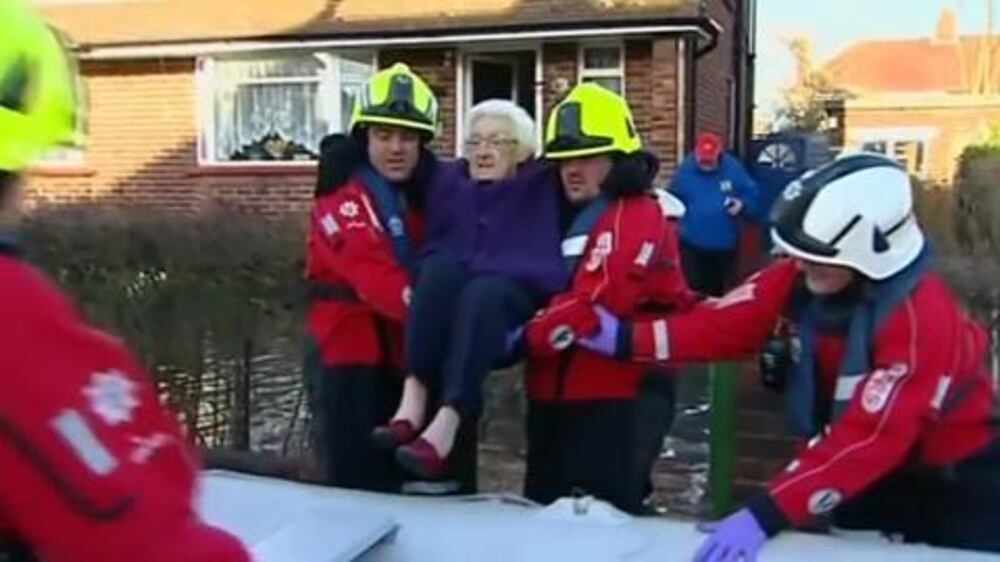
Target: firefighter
595, 424
94, 467
365, 234
885, 375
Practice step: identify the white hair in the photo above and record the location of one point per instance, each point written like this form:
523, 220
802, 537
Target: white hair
522, 124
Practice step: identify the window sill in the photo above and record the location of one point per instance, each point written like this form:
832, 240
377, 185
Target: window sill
262, 169
61, 171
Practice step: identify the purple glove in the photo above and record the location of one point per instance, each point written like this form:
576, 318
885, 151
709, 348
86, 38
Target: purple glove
737, 538
513, 339
605, 339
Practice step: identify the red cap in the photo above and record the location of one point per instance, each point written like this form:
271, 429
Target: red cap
708, 147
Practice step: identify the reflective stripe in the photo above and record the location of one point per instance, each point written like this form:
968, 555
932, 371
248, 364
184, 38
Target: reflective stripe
75, 431
371, 214
661, 342
846, 385
330, 225
942, 391
574, 246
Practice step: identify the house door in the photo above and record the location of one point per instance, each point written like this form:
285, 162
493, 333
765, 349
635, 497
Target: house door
508, 75
493, 77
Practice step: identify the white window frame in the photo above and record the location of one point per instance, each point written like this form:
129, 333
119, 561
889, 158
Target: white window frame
583, 73
893, 135
328, 80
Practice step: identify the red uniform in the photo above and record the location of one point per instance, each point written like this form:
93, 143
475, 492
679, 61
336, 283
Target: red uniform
94, 467
596, 424
927, 399
351, 257
630, 263
359, 296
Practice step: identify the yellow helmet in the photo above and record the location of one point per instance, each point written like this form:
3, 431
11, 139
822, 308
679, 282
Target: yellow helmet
396, 96
38, 88
590, 120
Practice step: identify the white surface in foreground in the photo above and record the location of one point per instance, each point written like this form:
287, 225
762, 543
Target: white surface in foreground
286, 521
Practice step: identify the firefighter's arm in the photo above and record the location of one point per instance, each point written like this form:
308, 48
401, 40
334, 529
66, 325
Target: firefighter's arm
354, 243
674, 285
612, 273
106, 475
889, 408
733, 326
62, 524
618, 280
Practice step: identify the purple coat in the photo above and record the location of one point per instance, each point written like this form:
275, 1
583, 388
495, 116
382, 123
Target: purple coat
509, 227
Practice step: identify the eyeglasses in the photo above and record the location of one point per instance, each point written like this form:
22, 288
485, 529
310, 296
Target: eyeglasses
490, 143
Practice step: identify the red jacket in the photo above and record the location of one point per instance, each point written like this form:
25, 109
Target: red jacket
630, 263
928, 395
94, 467
348, 248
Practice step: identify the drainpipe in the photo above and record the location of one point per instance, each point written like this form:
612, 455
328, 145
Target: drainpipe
722, 436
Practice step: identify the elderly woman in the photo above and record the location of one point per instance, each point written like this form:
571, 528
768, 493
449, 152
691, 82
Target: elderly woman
492, 258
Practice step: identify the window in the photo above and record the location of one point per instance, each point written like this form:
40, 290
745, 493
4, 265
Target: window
605, 65
909, 153
908, 145
276, 108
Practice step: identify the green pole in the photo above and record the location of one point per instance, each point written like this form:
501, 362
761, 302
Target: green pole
722, 390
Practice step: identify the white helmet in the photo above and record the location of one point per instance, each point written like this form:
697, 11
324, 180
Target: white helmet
856, 211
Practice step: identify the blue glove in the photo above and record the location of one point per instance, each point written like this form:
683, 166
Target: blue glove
605, 339
737, 538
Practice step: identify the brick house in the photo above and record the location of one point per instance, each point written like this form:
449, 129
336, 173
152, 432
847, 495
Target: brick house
922, 100
194, 102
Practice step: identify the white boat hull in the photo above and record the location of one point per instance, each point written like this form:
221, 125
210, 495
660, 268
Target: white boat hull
287, 521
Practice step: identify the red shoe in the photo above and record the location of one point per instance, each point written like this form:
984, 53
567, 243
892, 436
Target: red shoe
396, 433
421, 459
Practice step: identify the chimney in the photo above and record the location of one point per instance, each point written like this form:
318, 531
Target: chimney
946, 31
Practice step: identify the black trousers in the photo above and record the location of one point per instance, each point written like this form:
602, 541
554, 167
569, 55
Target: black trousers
707, 271
957, 507
457, 329
347, 403
604, 448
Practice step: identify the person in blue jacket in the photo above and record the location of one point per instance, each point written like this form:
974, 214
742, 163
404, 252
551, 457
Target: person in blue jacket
716, 191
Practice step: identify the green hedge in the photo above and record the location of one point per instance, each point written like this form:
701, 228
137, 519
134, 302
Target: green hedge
963, 224
199, 297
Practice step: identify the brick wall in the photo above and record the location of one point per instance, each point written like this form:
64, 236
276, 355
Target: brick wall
652, 89
140, 138
437, 67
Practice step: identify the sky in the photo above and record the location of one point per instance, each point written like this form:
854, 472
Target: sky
835, 24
